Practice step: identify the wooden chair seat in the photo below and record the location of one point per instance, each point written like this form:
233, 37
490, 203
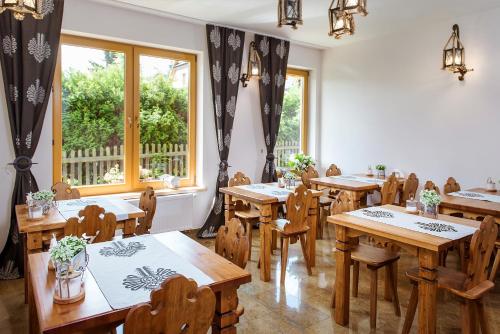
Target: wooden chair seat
448, 279
373, 256
252, 213
279, 225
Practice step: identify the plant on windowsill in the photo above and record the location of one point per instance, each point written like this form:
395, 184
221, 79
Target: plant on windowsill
430, 201
380, 171
299, 162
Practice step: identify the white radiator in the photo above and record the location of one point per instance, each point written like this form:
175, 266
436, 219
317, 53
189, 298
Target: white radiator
173, 213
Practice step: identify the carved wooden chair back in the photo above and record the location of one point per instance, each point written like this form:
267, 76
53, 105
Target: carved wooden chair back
409, 188
429, 185
481, 247
343, 203
179, 306
307, 175
390, 190
63, 191
232, 243
240, 179
451, 186
333, 170
94, 223
147, 203
297, 208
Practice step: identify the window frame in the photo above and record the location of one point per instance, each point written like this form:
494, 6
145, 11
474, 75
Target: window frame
131, 115
304, 116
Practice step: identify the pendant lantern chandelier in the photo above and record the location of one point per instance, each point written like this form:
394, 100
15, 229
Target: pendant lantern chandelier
341, 23
290, 13
454, 55
351, 6
21, 8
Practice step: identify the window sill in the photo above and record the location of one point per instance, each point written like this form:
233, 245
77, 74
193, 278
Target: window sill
159, 192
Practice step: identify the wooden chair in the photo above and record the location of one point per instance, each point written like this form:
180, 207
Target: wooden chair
93, 223
324, 201
232, 243
147, 203
451, 186
496, 263
333, 170
245, 212
389, 190
469, 287
295, 226
429, 185
63, 191
410, 187
179, 306
374, 258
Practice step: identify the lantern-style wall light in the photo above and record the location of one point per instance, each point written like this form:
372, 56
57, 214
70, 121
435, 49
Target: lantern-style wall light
341, 23
454, 55
289, 13
21, 8
350, 6
254, 68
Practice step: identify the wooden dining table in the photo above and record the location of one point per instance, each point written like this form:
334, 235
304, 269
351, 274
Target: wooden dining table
425, 247
94, 312
357, 190
471, 208
268, 208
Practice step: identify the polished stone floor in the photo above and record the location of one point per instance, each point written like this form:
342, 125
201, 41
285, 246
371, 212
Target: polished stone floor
302, 305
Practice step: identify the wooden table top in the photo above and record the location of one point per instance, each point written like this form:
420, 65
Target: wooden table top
55, 220
472, 205
94, 310
399, 234
345, 184
255, 197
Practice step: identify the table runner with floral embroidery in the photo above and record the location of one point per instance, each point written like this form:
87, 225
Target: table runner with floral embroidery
269, 190
356, 178
476, 196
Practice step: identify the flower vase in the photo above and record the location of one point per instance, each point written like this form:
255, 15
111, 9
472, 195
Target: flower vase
430, 211
381, 174
70, 286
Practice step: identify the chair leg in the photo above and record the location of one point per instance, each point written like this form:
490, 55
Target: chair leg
304, 251
496, 264
249, 235
387, 285
274, 241
483, 321
394, 287
355, 278
373, 297
468, 317
284, 258
412, 309
332, 303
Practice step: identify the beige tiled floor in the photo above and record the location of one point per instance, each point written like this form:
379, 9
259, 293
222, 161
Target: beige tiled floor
301, 305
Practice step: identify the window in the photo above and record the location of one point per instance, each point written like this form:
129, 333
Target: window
292, 136
124, 116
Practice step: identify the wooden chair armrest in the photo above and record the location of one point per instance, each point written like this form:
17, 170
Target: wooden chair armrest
476, 292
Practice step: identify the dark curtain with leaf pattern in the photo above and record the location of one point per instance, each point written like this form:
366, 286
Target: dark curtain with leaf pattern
28, 59
273, 53
225, 51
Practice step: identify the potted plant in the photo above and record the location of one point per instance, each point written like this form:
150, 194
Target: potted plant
380, 171
300, 162
43, 199
69, 257
289, 178
430, 201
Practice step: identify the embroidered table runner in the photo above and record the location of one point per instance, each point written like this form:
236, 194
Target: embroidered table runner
415, 223
280, 193
127, 270
476, 196
70, 208
359, 179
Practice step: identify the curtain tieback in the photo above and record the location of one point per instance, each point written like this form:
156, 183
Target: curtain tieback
270, 157
223, 165
22, 164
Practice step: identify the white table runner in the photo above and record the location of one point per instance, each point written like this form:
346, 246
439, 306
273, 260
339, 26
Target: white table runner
476, 196
128, 270
438, 228
280, 193
70, 208
359, 179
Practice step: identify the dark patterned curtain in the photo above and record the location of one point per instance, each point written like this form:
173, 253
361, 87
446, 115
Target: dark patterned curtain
28, 59
225, 51
273, 53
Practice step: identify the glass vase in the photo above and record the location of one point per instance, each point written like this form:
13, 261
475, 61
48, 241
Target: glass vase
430, 211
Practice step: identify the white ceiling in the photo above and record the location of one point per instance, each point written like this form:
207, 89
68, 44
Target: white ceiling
385, 16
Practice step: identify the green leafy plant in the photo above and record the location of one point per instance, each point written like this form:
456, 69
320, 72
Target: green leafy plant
66, 249
289, 176
380, 167
300, 162
113, 175
430, 198
42, 195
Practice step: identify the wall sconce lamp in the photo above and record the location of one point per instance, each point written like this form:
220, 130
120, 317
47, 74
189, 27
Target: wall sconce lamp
253, 67
454, 55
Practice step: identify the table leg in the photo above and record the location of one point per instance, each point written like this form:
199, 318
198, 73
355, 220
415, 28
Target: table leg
311, 235
266, 215
32, 244
343, 275
34, 327
229, 208
427, 291
226, 315
129, 227
26, 269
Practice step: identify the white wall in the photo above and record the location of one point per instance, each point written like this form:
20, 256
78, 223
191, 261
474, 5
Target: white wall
121, 24
387, 101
